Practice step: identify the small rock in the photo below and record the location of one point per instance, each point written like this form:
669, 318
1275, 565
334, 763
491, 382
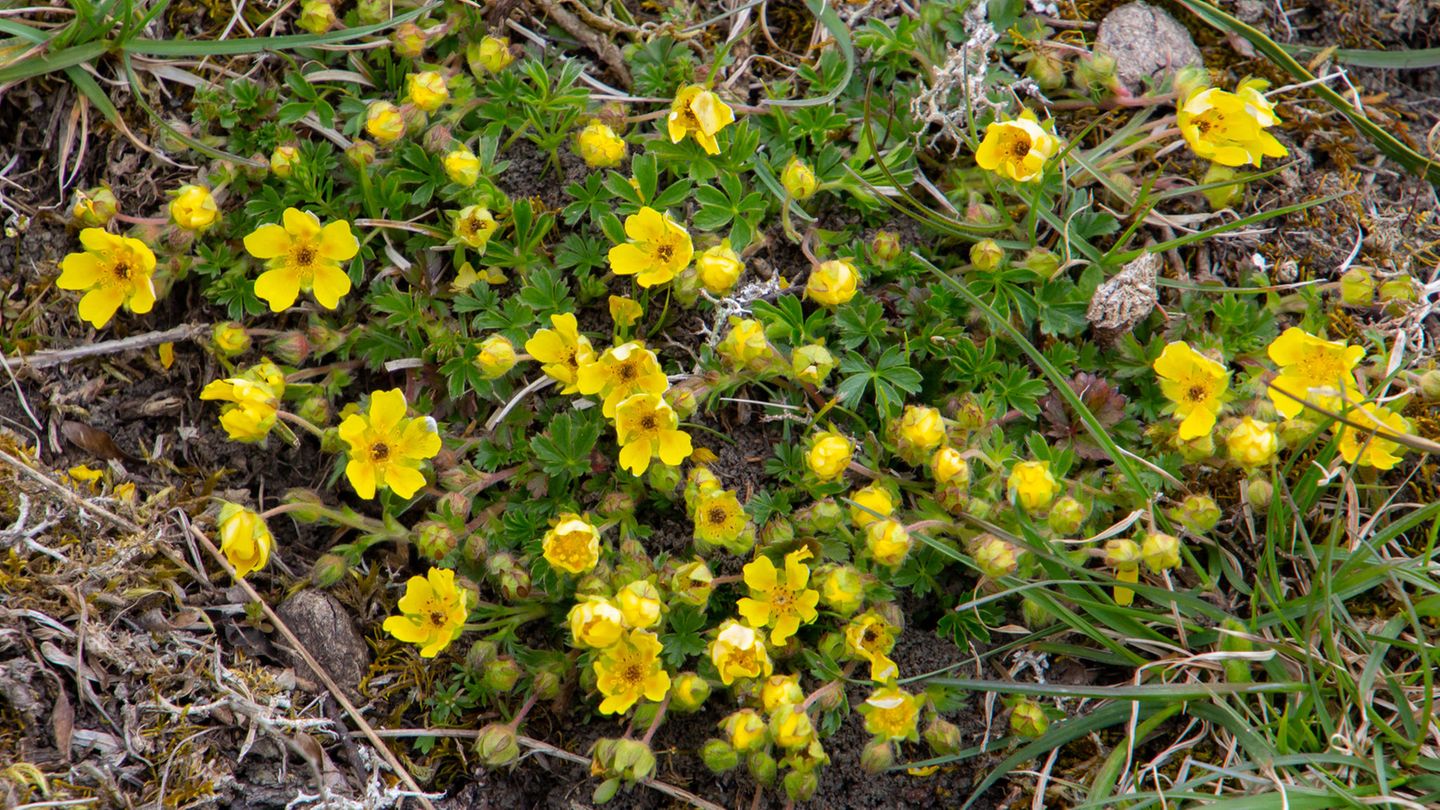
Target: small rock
1127, 298
1146, 43
329, 635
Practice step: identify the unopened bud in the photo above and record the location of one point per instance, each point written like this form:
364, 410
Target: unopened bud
481, 653
1357, 288
1095, 74
497, 745
762, 767
1226, 195
1067, 515
942, 736
718, 756
328, 570
435, 540
501, 674
1046, 70
408, 40
800, 785
877, 756
1160, 551
885, 246
1258, 493
1028, 719
688, 692
1199, 513
986, 254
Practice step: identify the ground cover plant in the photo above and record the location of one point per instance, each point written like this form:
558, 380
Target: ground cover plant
719, 404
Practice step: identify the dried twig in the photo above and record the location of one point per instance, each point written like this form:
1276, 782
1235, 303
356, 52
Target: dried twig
57, 357
600, 43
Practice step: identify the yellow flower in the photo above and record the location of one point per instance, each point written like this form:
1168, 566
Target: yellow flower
1229, 128
745, 345
782, 602
114, 270
842, 589
1032, 486
245, 540
947, 464
1252, 443
496, 357
316, 16
283, 160
462, 166
921, 430
799, 179
572, 544
790, 727
427, 90
386, 448
870, 638
744, 729
876, 499
620, 372
692, 583
229, 338
719, 518
474, 225
629, 670
194, 208
1160, 551
599, 146
1124, 556
891, 713
688, 692
781, 690
494, 54
82, 474
96, 207
640, 604
1195, 385
833, 283
433, 612
624, 311
252, 405
1306, 363
888, 542
646, 427
719, 268
301, 255
562, 351
1017, 149
829, 455
595, 622
738, 651
701, 114
1365, 446
384, 122
659, 248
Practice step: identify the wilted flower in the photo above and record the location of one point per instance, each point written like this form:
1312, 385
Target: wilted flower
245, 540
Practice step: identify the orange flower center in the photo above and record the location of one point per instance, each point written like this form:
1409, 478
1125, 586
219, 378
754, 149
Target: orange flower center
633, 674
437, 618
1020, 146
1196, 393
303, 256
717, 515
379, 451
647, 422
781, 599
664, 252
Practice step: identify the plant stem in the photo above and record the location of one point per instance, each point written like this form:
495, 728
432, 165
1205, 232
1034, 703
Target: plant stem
655, 724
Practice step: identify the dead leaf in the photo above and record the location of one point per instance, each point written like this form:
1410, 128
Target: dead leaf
94, 441
62, 721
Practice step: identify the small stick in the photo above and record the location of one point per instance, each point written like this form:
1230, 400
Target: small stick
57, 357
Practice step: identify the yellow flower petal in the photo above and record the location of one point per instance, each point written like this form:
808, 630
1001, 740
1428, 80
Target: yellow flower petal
331, 284
279, 288
302, 225
403, 480
79, 271
387, 408
99, 305
337, 242
267, 242
362, 477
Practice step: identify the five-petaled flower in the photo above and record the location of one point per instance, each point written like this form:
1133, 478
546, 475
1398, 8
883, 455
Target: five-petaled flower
621, 372
659, 248
629, 670
572, 544
302, 255
1229, 128
738, 651
433, 612
1307, 363
646, 426
1369, 444
719, 518
1196, 386
562, 351
701, 114
780, 601
1017, 149
386, 448
114, 270
870, 638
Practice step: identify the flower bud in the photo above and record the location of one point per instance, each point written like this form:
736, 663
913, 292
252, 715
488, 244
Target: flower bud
229, 339
408, 40
1190, 79
462, 166
1035, 614
942, 736
1032, 486
1429, 385
314, 409
491, 55
328, 570
308, 505
1095, 74
885, 246
497, 745
360, 154
994, 557
1258, 493
688, 692
1043, 263
599, 146
1199, 513
480, 654
763, 768
888, 542
373, 11
811, 364
1294, 432
1357, 288
427, 90
1196, 450
833, 283
1160, 551
842, 589
799, 179
1028, 719
986, 255
663, 477
193, 208
718, 756
384, 123
94, 208
876, 757
1067, 515
1122, 553
745, 730
316, 16
979, 212
496, 357
1398, 295
434, 540
1252, 443
633, 760
501, 674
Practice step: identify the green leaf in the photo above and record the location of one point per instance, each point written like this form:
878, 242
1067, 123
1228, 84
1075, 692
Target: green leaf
563, 450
